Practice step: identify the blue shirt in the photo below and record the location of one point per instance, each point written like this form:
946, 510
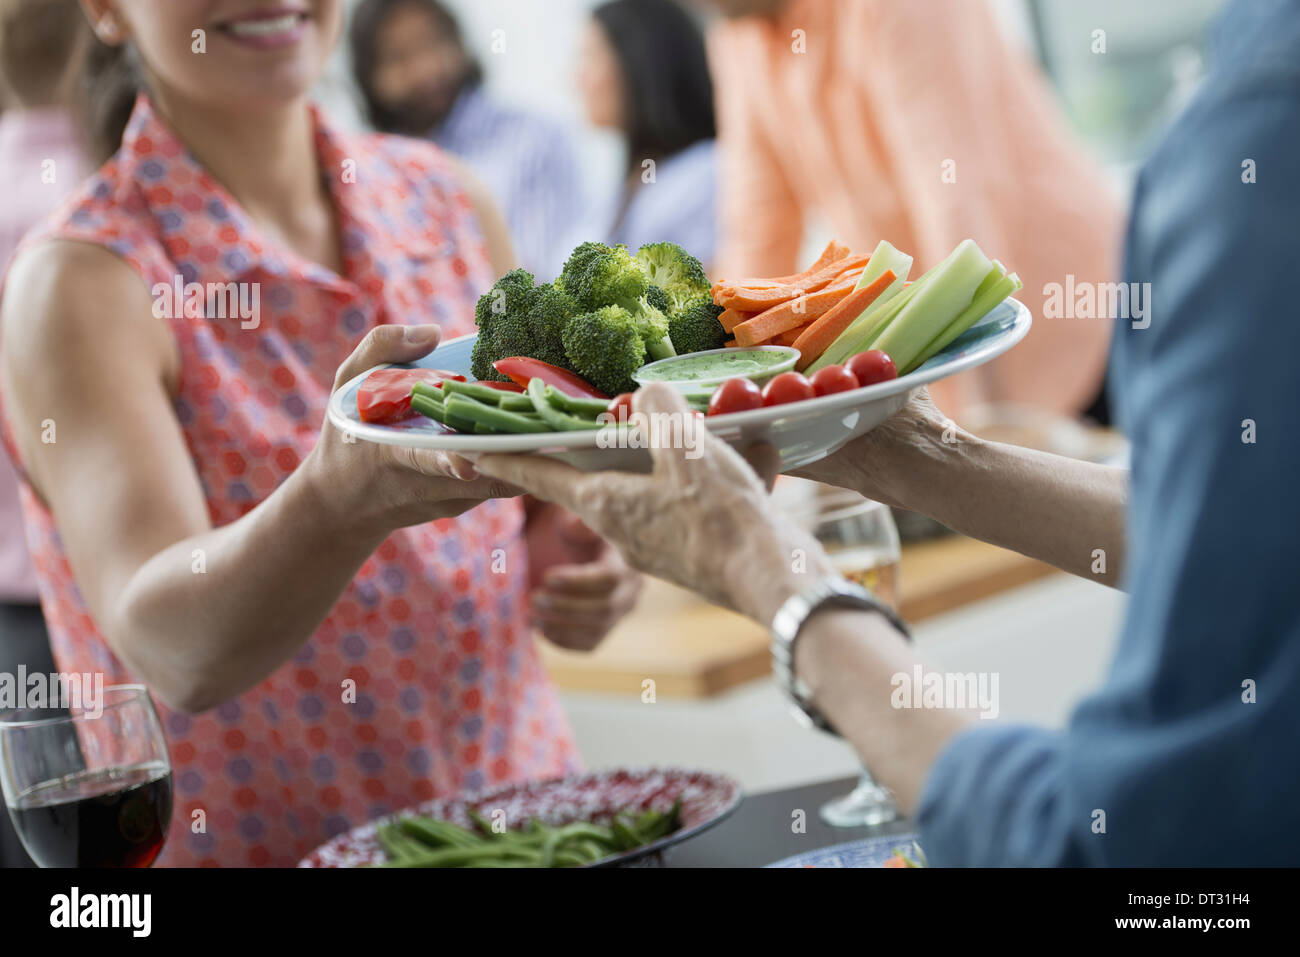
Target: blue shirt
680, 206
528, 165
1186, 767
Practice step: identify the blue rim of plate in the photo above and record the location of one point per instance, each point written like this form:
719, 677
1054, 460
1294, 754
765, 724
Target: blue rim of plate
1004, 326
868, 852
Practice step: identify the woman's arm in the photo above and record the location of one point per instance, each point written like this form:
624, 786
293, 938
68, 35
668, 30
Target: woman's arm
1062, 511
200, 613
496, 234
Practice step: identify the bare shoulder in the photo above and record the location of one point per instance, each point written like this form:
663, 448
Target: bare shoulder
496, 234
67, 303
475, 189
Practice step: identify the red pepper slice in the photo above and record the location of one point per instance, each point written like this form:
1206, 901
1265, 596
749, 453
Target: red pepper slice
521, 369
503, 386
385, 396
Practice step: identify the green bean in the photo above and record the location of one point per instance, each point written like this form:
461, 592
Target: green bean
583, 830
553, 417
484, 825
396, 844
427, 406
516, 402
438, 412
437, 833
549, 846
464, 856
661, 826
473, 390
568, 858
578, 405
489, 863
490, 415
594, 850
625, 835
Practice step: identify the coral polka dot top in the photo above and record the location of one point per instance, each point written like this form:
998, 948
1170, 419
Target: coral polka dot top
449, 691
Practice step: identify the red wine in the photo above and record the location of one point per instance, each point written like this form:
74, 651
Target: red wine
109, 818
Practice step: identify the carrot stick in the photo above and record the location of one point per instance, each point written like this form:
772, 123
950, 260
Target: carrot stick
818, 337
853, 272
790, 314
788, 338
731, 344
760, 299
730, 318
833, 252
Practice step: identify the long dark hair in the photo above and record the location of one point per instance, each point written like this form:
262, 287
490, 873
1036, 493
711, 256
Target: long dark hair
110, 81
668, 93
363, 41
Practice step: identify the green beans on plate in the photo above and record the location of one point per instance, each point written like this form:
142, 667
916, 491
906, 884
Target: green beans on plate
479, 409
429, 842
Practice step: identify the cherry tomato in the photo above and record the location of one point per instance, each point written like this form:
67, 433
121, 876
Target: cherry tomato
735, 395
787, 387
621, 401
871, 367
833, 379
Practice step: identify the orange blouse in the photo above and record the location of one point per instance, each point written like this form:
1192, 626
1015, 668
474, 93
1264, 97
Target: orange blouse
915, 122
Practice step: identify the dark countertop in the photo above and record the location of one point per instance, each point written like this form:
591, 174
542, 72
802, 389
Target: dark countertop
760, 831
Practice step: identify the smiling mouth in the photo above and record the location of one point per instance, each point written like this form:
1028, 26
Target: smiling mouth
265, 28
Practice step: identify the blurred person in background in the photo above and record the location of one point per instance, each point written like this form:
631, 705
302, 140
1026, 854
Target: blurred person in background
332, 629
643, 71
917, 123
41, 162
417, 78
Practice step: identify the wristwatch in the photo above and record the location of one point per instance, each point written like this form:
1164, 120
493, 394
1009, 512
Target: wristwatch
789, 621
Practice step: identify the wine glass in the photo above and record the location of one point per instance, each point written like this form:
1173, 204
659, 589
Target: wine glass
861, 540
92, 787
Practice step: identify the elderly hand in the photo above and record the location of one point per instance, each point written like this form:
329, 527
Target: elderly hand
701, 519
877, 464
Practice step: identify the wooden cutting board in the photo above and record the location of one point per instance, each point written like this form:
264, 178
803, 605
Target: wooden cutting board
691, 649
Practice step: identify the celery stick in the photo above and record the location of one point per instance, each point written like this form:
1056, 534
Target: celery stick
931, 310
986, 299
885, 256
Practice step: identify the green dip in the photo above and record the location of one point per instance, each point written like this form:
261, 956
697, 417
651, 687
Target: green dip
720, 364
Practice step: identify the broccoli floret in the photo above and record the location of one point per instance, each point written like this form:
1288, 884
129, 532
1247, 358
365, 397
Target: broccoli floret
656, 296
615, 279
652, 325
548, 313
673, 269
573, 277
605, 348
497, 316
597, 276
516, 318
695, 328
